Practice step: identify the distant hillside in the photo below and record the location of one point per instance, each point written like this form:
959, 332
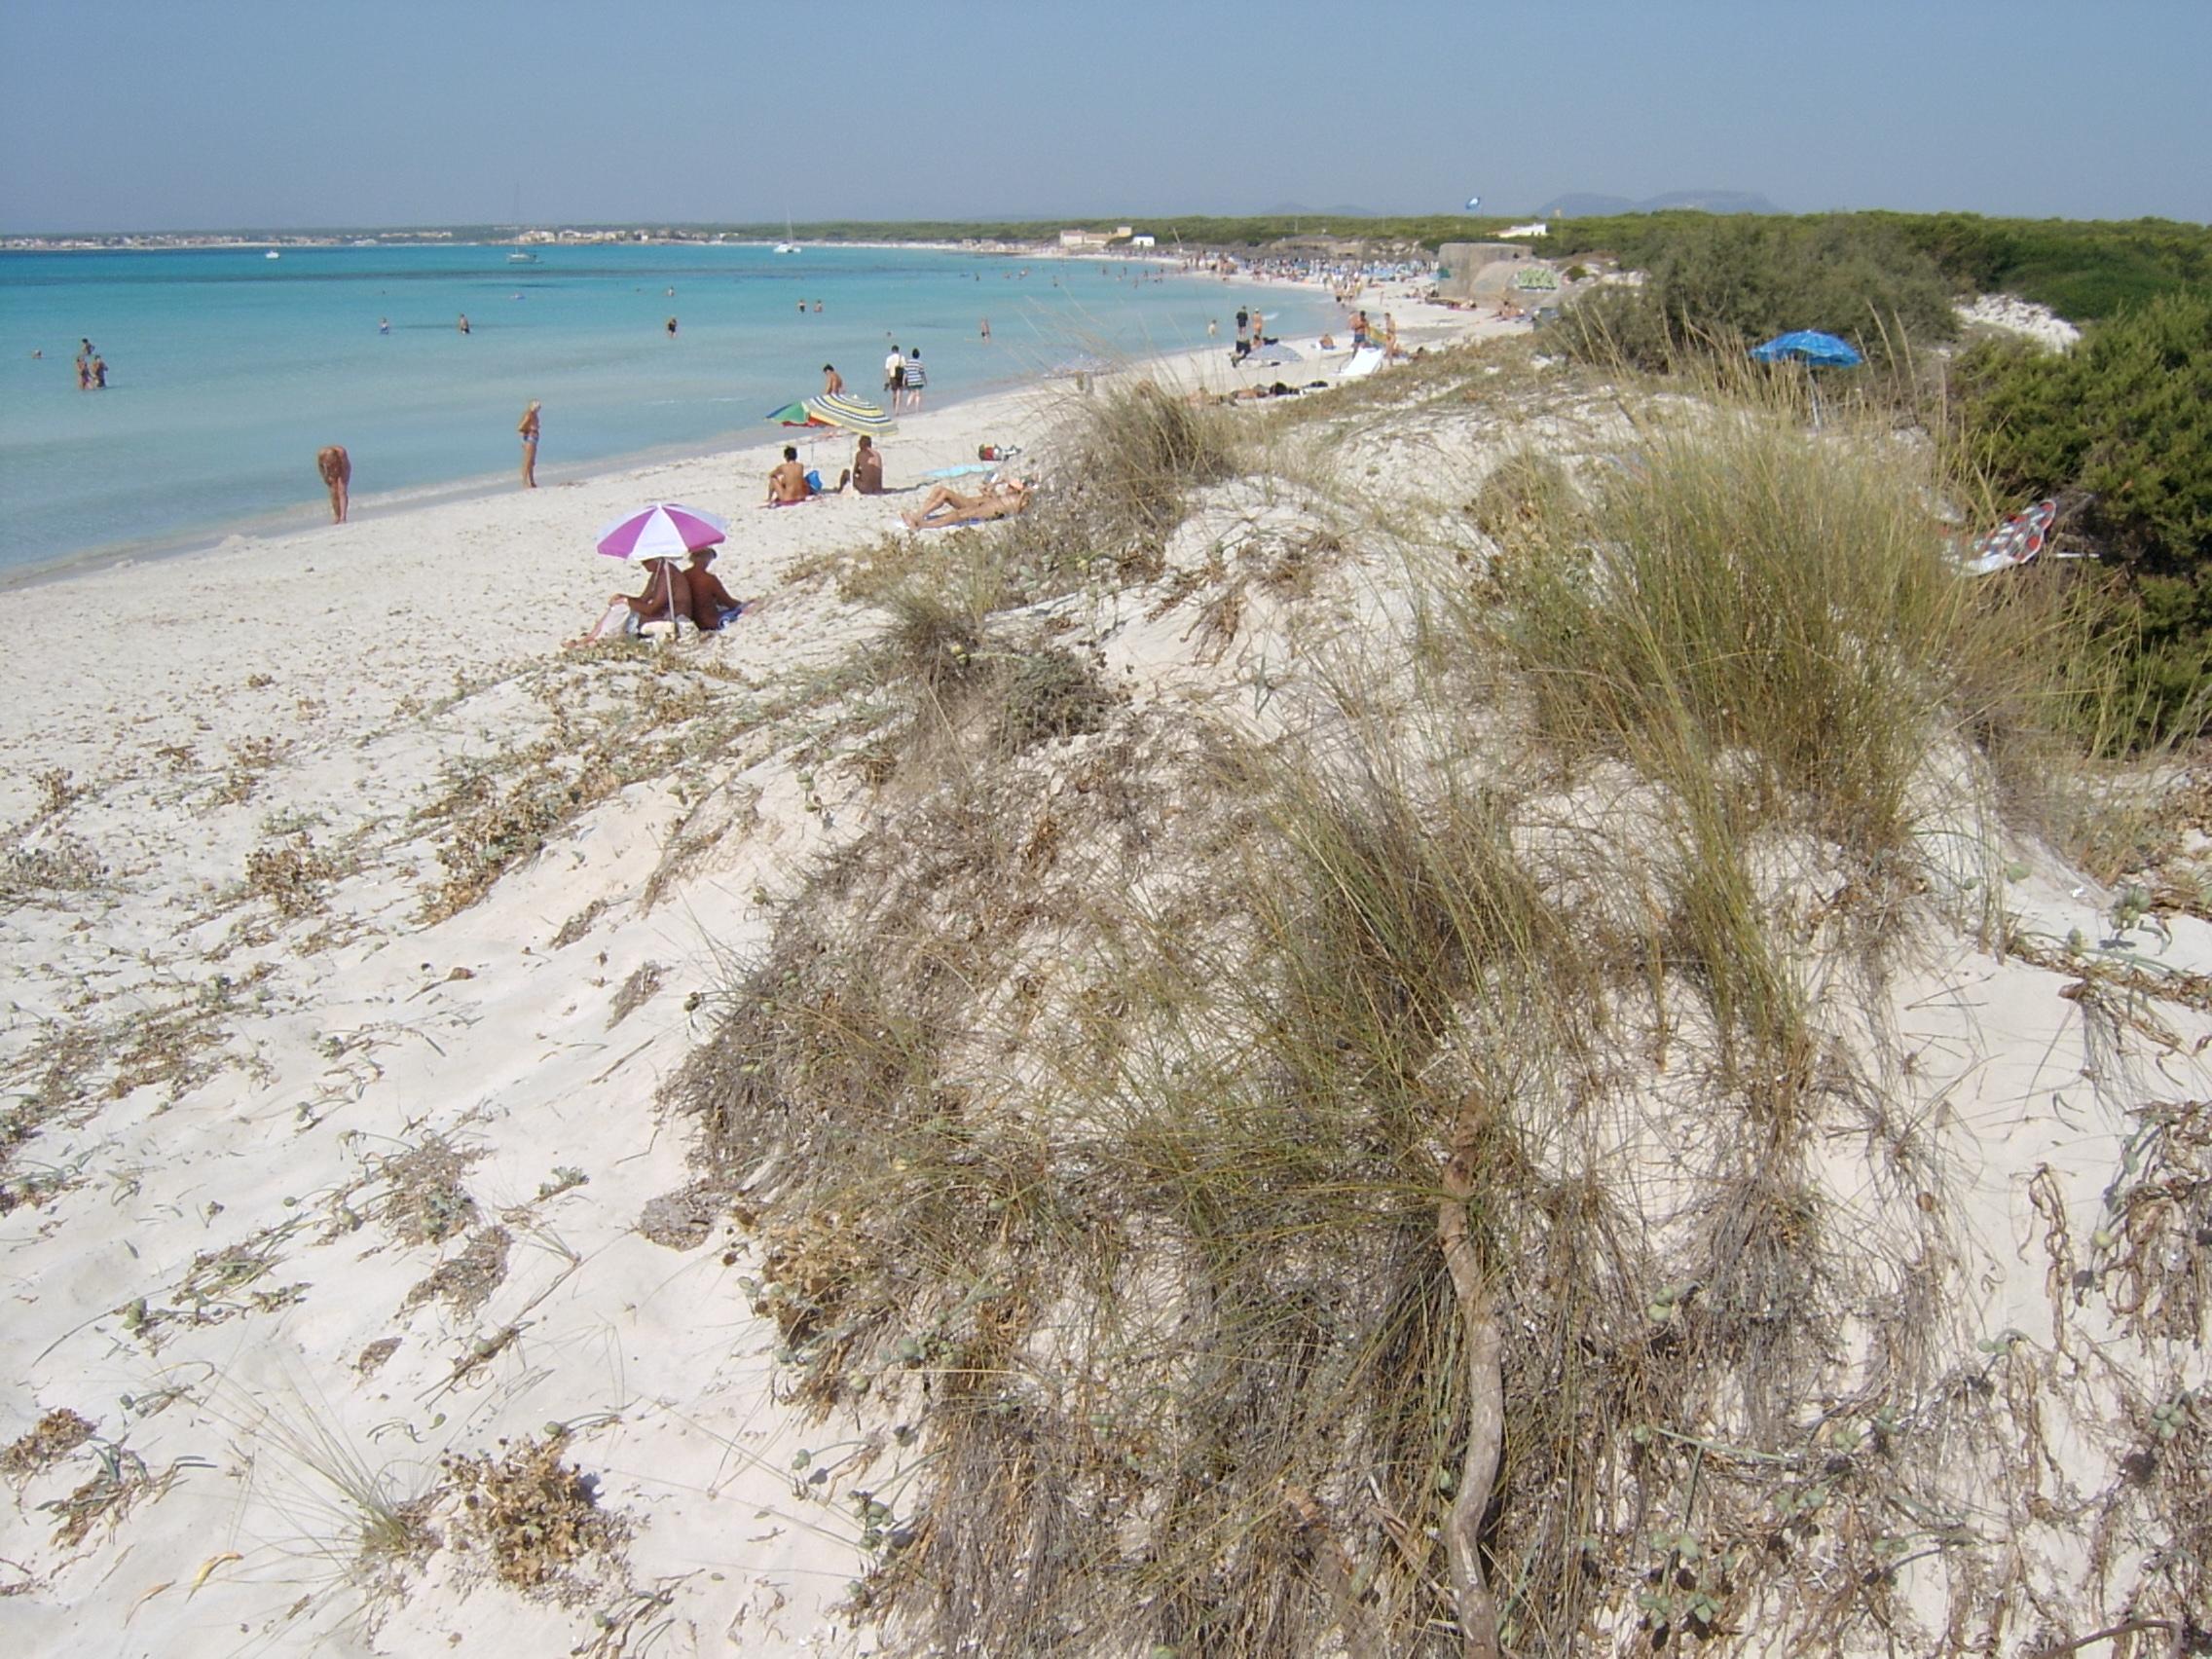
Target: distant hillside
1584, 205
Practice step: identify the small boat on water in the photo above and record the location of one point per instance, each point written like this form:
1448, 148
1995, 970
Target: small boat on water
272, 254
789, 243
522, 256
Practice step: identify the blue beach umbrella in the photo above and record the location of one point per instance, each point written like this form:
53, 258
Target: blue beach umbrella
1809, 345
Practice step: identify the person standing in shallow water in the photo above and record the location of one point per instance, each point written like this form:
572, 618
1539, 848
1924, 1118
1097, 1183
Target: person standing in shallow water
337, 469
463, 324
529, 427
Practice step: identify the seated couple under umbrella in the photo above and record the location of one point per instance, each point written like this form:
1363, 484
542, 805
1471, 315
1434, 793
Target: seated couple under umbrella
673, 593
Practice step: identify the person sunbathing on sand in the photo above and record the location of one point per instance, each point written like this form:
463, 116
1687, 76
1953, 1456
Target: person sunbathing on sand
711, 604
787, 484
944, 506
866, 474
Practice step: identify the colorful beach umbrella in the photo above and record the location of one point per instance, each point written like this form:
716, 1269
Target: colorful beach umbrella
793, 415
836, 409
666, 530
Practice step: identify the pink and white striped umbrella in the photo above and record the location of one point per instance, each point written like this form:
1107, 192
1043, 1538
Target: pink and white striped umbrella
666, 530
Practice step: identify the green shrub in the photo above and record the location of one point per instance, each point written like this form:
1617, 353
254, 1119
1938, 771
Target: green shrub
2086, 270
2083, 270
2126, 419
1723, 280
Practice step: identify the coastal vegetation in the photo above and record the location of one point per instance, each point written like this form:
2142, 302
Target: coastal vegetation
2122, 423
1716, 282
1457, 1193
2115, 429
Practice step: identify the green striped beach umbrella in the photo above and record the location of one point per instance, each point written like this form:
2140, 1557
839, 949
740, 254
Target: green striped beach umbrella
835, 409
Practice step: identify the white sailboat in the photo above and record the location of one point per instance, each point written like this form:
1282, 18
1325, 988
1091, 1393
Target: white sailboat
789, 243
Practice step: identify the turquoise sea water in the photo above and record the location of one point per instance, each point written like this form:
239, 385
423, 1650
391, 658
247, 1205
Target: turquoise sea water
228, 370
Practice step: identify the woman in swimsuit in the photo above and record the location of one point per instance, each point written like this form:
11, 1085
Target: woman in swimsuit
528, 430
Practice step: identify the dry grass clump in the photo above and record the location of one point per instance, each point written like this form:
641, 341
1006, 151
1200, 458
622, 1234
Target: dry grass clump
49, 1078
424, 1201
180, 1046
2152, 1247
935, 640
57, 791
610, 718
58, 863
467, 1282
1126, 460
532, 1515
966, 681
1050, 694
502, 826
639, 988
1709, 614
1136, 451
121, 1481
292, 878
1527, 497
249, 762
53, 1437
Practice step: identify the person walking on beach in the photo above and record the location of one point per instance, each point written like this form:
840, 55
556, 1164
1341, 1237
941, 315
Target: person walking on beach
1243, 331
528, 428
894, 376
337, 469
916, 379
833, 382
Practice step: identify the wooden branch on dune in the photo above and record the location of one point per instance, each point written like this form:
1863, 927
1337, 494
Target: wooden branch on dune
1485, 1406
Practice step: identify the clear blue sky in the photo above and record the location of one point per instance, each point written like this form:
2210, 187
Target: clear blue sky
133, 115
